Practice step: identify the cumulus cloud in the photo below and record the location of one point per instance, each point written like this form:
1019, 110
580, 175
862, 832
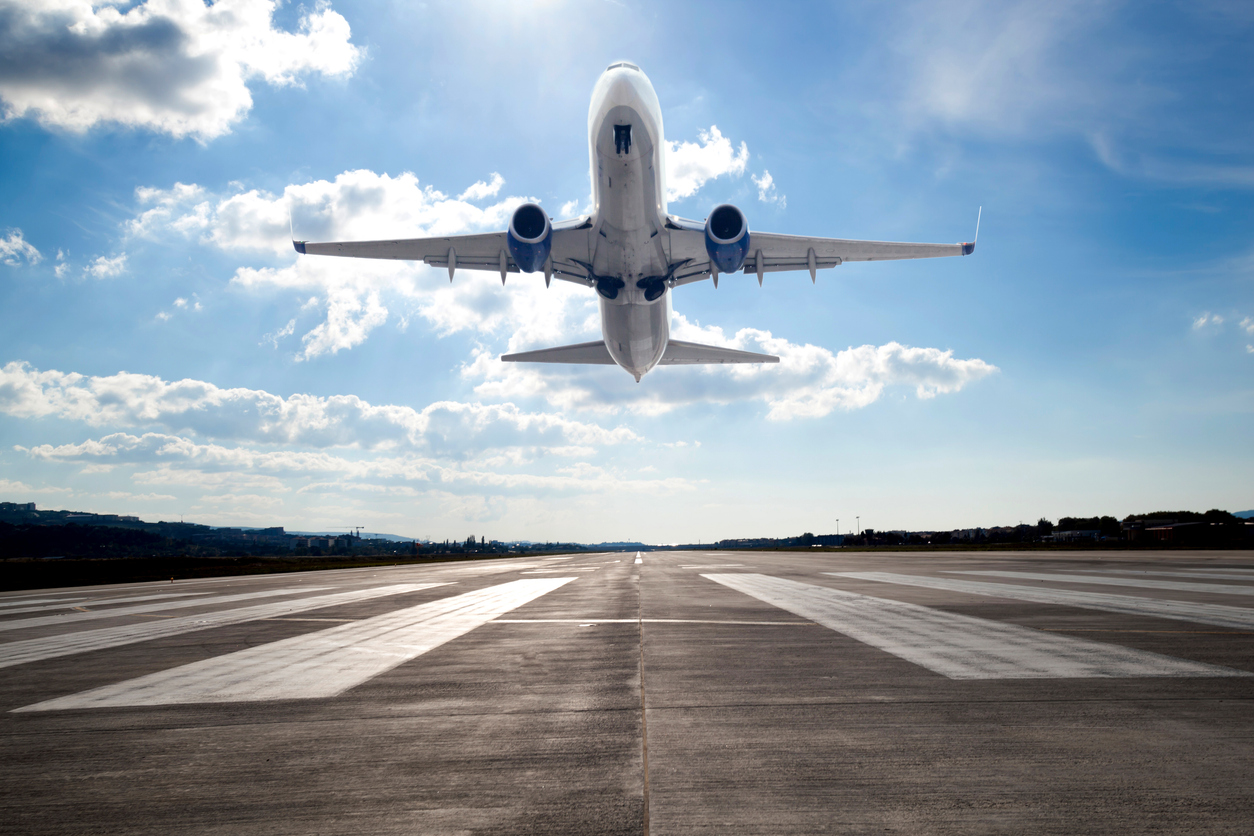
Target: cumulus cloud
480, 190
690, 165
178, 461
767, 193
14, 249
349, 320
1207, 320
179, 67
255, 416
358, 295
10, 487
106, 268
1247, 325
809, 381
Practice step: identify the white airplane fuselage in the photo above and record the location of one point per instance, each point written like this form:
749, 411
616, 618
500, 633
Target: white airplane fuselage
627, 152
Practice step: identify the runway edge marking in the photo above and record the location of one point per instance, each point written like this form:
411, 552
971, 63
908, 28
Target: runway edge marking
961, 646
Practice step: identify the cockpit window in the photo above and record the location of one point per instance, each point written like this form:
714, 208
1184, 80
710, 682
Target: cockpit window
626, 64
622, 139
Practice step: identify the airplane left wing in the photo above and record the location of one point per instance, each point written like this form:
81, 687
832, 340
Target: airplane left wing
485, 251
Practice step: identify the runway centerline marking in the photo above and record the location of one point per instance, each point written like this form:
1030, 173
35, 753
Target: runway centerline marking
1143, 583
83, 641
961, 646
1220, 615
77, 617
320, 664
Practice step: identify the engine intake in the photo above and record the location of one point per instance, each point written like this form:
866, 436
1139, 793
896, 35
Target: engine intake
727, 238
530, 237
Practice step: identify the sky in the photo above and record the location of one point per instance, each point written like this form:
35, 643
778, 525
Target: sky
164, 352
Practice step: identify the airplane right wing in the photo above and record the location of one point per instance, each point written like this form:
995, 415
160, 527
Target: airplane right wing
771, 252
680, 353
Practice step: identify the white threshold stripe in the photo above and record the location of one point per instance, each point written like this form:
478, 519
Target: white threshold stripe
1221, 615
651, 621
1221, 576
320, 664
83, 641
87, 602
960, 646
1143, 583
73, 618
22, 602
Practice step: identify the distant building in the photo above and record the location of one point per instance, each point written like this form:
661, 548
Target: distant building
1077, 535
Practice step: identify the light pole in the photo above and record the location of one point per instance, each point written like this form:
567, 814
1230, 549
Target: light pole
859, 519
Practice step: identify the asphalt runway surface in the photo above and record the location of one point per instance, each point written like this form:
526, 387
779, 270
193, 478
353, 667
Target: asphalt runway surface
670, 693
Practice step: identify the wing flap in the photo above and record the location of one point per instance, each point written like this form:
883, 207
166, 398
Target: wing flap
679, 353
595, 354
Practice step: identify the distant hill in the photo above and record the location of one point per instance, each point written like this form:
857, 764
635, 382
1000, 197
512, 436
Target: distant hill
1245, 515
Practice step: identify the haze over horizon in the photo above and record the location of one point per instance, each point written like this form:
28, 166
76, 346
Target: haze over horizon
166, 354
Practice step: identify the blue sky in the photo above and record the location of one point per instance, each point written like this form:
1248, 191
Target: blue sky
165, 354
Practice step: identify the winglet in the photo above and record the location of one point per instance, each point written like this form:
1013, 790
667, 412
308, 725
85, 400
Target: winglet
299, 245
967, 249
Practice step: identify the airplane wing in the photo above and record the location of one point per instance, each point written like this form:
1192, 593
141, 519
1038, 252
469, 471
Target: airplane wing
485, 251
771, 252
685, 354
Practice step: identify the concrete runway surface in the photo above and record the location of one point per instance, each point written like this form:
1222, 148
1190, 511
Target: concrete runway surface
660, 693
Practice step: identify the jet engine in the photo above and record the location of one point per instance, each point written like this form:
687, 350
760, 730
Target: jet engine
530, 237
727, 238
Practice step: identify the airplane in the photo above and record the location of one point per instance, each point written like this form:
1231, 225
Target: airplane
630, 249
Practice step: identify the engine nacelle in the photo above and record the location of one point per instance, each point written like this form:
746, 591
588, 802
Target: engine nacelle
727, 238
530, 237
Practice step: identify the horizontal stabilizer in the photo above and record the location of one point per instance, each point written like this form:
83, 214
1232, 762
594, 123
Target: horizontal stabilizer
585, 353
681, 353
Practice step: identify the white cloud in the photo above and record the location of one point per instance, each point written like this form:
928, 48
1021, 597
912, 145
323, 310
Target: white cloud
767, 193
1247, 325
808, 382
106, 268
9, 487
254, 416
1000, 67
185, 463
15, 248
479, 190
690, 165
286, 331
349, 321
358, 294
179, 67
1206, 320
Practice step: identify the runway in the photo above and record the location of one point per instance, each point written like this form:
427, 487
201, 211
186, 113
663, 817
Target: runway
662, 692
